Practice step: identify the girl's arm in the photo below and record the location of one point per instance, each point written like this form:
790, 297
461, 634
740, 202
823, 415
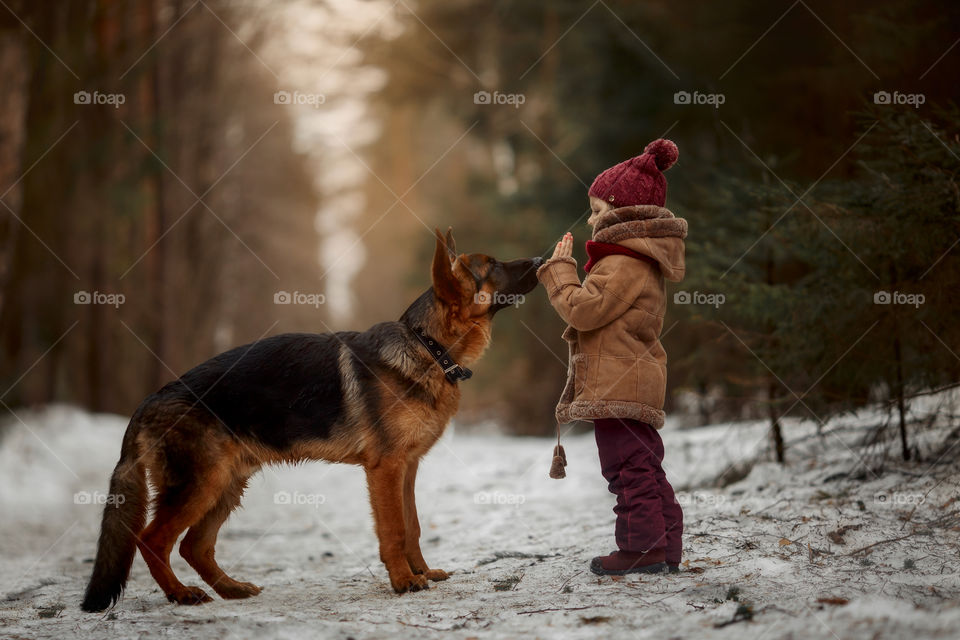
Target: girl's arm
601, 298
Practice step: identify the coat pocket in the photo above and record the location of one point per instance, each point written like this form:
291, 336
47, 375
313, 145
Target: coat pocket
617, 379
578, 373
652, 383
629, 380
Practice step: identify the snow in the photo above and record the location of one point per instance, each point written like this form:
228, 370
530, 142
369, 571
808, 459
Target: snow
518, 543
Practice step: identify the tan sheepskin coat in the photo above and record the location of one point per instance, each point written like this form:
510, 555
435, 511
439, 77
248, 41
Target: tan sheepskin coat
617, 367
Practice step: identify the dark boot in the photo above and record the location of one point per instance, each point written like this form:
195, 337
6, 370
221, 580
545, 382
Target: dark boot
673, 568
620, 563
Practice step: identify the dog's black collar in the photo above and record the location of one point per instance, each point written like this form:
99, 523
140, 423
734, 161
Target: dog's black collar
451, 369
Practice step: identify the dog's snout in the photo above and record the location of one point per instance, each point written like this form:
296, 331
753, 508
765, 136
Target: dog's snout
537, 262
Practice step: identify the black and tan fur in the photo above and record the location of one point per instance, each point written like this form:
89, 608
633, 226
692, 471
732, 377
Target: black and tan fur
376, 399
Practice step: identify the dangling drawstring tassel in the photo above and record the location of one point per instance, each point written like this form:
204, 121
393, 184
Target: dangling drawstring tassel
559, 460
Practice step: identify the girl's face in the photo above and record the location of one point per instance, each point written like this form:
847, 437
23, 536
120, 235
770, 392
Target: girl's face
597, 208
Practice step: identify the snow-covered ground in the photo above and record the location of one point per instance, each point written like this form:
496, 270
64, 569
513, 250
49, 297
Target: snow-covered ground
784, 552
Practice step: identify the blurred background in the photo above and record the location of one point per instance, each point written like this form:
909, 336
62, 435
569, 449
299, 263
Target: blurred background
181, 177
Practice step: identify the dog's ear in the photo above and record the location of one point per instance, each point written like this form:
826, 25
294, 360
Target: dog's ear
451, 244
445, 283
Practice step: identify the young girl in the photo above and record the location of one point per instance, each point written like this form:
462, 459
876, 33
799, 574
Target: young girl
617, 371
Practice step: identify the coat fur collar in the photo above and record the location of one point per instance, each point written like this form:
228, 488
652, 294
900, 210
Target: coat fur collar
648, 230
641, 221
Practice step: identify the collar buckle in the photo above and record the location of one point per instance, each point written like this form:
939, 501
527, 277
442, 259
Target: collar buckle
453, 371
456, 373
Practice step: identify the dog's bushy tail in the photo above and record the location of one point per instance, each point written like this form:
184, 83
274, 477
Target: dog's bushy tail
124, 517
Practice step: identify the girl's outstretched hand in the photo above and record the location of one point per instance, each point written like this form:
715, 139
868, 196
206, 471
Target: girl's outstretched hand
564, 247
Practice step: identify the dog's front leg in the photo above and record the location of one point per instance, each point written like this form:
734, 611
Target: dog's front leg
385, 482
412, 527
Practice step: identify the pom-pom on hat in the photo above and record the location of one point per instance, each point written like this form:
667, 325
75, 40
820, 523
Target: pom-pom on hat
638, 180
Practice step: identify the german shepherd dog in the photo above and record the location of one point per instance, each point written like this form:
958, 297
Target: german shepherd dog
379, 399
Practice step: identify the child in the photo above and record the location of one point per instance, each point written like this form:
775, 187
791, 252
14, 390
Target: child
617, 370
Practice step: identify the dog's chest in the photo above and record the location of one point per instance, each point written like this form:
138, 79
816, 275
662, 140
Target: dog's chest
425, 427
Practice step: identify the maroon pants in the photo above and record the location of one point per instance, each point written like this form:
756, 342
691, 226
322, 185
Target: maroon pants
648, 514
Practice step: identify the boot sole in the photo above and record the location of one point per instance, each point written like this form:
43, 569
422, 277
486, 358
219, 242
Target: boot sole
597, 568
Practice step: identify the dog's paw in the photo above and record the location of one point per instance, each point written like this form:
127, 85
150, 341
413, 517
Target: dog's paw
436, 574
237, 590
189, 595
410, 582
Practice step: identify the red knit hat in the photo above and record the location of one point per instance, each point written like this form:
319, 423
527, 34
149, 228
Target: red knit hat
638, 180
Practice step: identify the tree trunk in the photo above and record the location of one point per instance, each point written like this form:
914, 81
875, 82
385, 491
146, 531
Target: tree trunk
14, 67
704, 390
775, 429
898, 364
156, 215
901, 405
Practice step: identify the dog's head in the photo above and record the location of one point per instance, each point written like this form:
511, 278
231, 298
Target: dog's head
471, 287
474, 285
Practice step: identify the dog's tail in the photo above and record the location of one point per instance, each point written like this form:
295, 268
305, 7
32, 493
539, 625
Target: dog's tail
124, 517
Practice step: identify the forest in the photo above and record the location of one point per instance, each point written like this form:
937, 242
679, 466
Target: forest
181, 179
818, 167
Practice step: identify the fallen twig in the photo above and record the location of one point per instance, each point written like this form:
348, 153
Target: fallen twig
744, 613
837, 602
500, 555
421, 626
837, 535
880, 542
567, 581
592, 606
769, 506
